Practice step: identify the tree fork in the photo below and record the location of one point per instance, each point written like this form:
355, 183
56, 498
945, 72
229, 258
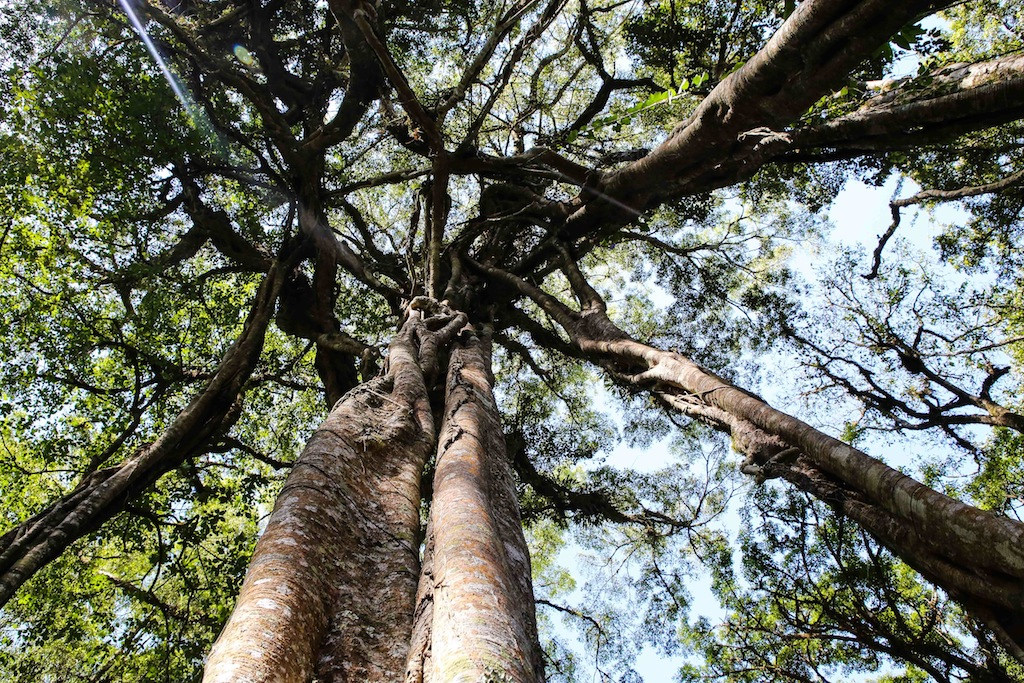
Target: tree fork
475, 615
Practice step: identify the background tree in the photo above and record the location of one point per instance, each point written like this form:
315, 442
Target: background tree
442, 226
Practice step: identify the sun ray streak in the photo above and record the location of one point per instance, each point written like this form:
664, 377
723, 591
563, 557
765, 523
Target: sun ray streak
196, 115
172, 79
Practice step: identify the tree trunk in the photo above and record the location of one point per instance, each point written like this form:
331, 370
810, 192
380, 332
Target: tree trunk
332, 583
331, 590
331, 586
475, 617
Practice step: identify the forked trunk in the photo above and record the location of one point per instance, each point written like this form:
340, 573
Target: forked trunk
475, 618
332, 588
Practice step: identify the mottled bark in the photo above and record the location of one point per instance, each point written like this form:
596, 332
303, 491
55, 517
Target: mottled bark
331, 588
331, 584
475, 617
102, 494
976, 536
810, 54
954, 99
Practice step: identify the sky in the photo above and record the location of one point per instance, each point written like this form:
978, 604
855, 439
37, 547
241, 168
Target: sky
859, 214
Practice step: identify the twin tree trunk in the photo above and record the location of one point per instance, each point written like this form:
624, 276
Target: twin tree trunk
335, 590
475, 618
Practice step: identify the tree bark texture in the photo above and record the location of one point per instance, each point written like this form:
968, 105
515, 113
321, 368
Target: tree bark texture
331, 591
976, 536
335, 570
331, 587
475, 618
956, 98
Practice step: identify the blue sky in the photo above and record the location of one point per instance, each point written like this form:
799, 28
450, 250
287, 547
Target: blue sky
858, 216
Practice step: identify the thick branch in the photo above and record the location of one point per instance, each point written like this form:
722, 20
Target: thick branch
962, 537
968, 97
102, 494
821, 42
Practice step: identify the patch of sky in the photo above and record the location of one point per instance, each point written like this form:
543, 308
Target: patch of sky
858, 215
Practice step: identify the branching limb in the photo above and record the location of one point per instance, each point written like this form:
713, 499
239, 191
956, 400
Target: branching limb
216, 224
552, 306
1000, 185
805, 59
889, 503
511, 63
573, 612
363, 15
588, 505
502, 27
947, 102
935, 414
103, 493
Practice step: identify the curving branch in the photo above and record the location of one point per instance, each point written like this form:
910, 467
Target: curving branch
104, 493
216, 225
1010, 181
820, 43
934, 106
948, 541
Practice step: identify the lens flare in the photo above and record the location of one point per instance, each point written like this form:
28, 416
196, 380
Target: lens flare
196, 114
244, 56
179, 92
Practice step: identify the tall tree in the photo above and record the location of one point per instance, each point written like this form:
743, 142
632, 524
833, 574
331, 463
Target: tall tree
220, 215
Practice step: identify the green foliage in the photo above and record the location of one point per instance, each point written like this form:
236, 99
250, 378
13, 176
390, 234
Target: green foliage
116, 309
819, 599
153, 588
677, 39
985, 28
108, 341
999, 484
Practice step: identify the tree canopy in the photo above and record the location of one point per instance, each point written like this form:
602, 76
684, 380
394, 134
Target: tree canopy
225, 222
